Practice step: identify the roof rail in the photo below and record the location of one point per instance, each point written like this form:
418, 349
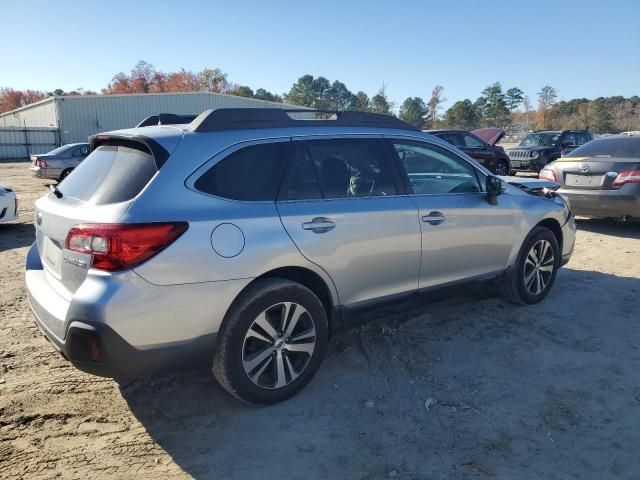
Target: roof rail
252, 118
165, 119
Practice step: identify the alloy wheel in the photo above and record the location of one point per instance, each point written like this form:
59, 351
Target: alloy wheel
502, 169
538, 267
278, 345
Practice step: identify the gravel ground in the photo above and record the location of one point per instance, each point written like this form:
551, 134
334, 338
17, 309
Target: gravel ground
463, 385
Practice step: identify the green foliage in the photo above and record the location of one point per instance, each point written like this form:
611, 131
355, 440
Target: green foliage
492, 106
242, 91
380, 103
362, 102
514, 98
462, 115
414, 111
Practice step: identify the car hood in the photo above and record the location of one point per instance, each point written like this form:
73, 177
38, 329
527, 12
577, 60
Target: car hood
491, 135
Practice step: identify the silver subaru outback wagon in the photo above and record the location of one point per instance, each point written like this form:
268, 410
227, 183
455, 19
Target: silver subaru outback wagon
242, 239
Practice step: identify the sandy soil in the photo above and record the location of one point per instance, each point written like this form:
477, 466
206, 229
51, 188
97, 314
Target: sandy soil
550, 391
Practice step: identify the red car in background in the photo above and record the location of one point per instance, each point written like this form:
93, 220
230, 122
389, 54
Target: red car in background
481, 145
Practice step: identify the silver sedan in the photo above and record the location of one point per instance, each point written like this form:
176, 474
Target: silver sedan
59, 163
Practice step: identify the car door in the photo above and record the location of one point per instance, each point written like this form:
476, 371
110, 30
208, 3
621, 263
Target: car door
477, 149
463, 236
341, 204
77, 155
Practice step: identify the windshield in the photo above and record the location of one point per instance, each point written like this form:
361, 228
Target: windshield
621, 147
58, 150
540, 140
110, 174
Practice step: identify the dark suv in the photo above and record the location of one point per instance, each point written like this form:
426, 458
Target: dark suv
480, 145
539, 148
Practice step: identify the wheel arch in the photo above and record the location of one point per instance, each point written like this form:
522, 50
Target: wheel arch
553, 225
310, 279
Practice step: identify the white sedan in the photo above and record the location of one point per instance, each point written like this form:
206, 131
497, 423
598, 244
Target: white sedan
8, 204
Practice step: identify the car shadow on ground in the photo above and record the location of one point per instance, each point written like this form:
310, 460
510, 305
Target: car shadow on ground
16, 235
363, 415
630, 229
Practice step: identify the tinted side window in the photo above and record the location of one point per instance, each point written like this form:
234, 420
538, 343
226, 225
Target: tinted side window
569, 138
339, 168
582, 138
77, 152
252, 173
453, 138
473, 142
432, 170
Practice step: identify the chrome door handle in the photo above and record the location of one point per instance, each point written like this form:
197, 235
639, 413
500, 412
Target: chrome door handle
434, 218
319, 225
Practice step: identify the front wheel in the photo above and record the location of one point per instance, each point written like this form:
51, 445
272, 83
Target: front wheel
272, 342
502, 168
531, 278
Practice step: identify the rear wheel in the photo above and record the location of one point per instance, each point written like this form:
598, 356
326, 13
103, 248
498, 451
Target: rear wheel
533, 275
65, 173
502, 168
272, 342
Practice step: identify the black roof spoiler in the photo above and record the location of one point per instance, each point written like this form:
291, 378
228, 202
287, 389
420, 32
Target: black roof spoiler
253, 118
166, 119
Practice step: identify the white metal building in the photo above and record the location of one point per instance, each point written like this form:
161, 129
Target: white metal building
74, 118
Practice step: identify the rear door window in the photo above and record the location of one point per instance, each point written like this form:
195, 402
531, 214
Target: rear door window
252, 173
111, 174
454, 139
339, 168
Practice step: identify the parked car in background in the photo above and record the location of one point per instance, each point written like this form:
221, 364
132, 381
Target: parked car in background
247, 236
481, 145
8, 204
59, 163
538, 149
601, 178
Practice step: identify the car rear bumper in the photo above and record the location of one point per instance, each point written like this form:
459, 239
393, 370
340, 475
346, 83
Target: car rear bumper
532, 165
47, 173
128, 327
8, 207
603, 203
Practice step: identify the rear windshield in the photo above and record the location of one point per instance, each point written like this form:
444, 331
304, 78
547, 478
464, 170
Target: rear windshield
622, 147
111, 174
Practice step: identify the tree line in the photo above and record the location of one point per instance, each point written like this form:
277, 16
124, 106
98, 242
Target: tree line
494, 106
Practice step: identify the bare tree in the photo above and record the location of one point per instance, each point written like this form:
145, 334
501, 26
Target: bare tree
527, 110
434, 103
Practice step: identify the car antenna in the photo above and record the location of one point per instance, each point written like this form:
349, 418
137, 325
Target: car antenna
55, 191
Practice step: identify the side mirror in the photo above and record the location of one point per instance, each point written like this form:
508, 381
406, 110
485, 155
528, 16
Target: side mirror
494, 187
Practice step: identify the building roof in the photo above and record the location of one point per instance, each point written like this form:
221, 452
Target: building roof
53, 98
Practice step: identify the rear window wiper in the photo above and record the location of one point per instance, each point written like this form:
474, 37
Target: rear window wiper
55, 191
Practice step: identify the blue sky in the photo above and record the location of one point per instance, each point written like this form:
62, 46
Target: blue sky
582, 48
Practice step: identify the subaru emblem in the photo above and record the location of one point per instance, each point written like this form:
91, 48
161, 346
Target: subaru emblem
584, 168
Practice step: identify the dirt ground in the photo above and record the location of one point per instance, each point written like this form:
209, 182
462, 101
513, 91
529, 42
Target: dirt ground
464, 385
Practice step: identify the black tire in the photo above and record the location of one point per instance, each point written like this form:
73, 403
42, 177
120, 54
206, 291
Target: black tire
513, 173
513, 287
228, 361
65, 173
502, 167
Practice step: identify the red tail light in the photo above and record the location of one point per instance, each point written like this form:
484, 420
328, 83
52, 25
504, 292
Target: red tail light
122, 246
41, 163
547, 174
627, 176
